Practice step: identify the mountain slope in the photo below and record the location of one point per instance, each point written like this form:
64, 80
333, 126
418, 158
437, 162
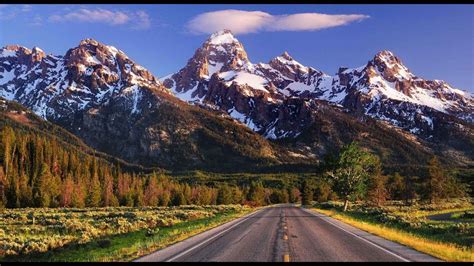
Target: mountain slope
275, 99
118, 107
24, 121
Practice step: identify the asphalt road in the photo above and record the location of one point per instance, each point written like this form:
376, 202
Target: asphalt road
286, 233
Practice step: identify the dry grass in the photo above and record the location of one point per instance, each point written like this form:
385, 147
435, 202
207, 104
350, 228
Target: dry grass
444, 251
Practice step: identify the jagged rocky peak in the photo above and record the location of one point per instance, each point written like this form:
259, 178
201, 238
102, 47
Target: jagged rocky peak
222, 37
91, 52
286, 60
222, 52
22, 54
11, 50
390, 66
88, 41
288, 66
284, 69
106, 62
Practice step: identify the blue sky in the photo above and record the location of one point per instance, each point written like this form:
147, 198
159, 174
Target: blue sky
434, 41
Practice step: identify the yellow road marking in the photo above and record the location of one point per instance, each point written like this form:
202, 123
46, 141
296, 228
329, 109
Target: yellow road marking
286, 258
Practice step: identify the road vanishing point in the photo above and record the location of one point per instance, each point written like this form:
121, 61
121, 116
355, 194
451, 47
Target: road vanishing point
286, 233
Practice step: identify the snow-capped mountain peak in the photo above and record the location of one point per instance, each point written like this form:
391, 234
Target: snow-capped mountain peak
222, 52
391, 67
221, 75
88, 75
222, 37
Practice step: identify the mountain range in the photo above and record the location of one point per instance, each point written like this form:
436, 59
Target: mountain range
221, 111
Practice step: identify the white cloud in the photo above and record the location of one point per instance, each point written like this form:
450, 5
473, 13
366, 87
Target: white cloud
37, 20
241, 22
97, 15
137, 20
143, 20
9, 11
237, 21
26, 8
312, 21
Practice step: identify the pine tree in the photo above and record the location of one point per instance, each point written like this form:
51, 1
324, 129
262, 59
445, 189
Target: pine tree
79, 194
25, 193
237, 195
94, 195
396, 186
295, 195
3, 186
409, 191
40, 196
151, 192
436, 181
165, 198
376, 185
307, 195
224, 195
187, 192
108, 196
67, 191
139, 200
179, 199
257, 193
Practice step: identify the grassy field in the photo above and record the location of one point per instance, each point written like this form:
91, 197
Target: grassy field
409, 225
103, 234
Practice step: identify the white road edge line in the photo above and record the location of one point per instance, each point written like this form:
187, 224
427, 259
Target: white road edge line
211, 238
368, 241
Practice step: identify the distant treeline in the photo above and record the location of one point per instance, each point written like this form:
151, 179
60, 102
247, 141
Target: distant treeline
40, 171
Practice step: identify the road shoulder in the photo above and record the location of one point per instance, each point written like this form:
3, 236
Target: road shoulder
399, 250
180, 248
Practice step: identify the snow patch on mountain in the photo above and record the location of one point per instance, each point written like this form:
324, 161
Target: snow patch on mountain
7, 76
244, 78
222, 37
7, 53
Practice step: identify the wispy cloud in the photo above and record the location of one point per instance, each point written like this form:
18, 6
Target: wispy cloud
37, 20
136, 20
143, 20
26, 8
241, 22
9, 11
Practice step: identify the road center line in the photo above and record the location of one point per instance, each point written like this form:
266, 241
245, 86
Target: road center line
213, 237
368, 241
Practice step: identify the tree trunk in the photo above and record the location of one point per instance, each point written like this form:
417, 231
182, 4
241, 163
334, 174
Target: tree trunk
346, 204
